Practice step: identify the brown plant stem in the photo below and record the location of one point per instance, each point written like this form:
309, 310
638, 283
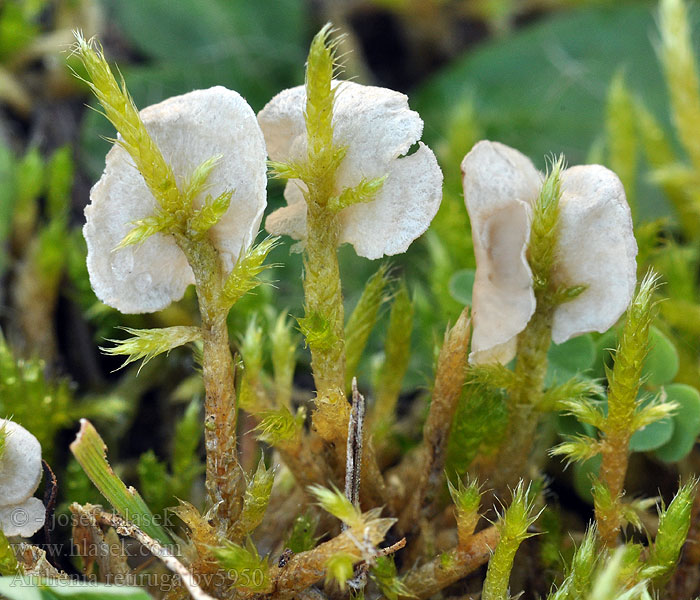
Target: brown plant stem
449, 379
306, 568
453, 565
224, 478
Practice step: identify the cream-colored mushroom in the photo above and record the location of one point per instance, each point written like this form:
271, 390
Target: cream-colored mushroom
596, 248
378, 129
20, 473
189, 130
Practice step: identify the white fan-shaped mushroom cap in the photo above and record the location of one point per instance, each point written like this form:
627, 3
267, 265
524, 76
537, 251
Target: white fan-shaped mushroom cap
20, 464
189, 130
500, 184
596, 248
23, 519
377, 127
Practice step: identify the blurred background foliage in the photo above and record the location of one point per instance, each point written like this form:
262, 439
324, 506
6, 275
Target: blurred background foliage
579, 77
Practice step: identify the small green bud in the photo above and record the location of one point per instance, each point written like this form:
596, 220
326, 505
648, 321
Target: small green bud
255, 501
336, 503
544, 233
467, 499
339, 568
238, 559
251, 348
578, 448
244, 276
317, 331
674, 524
365, 191
278, 427
204, 218
145, 228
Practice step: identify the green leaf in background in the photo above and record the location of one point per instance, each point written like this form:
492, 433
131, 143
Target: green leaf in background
255, 48
461, 284
570, 358
662, 362
543, 90
32, 588
652, 436
686, 422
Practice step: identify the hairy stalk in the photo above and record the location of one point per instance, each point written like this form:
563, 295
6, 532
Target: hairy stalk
449, 380
224, 478
619, 425
523, 412
324, 310
534, 341
215, 292
323, 322
453, 565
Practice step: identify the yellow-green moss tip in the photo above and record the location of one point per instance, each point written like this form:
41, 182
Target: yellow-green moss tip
513, 527
544, 233
121, 111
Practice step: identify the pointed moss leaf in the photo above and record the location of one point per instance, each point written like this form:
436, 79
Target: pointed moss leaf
652, 436
686, 422
582, 473
662, 362
570, 358
34, 588
255, 500
148, 343
245, 274
209, 214
91, 452
461, 284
